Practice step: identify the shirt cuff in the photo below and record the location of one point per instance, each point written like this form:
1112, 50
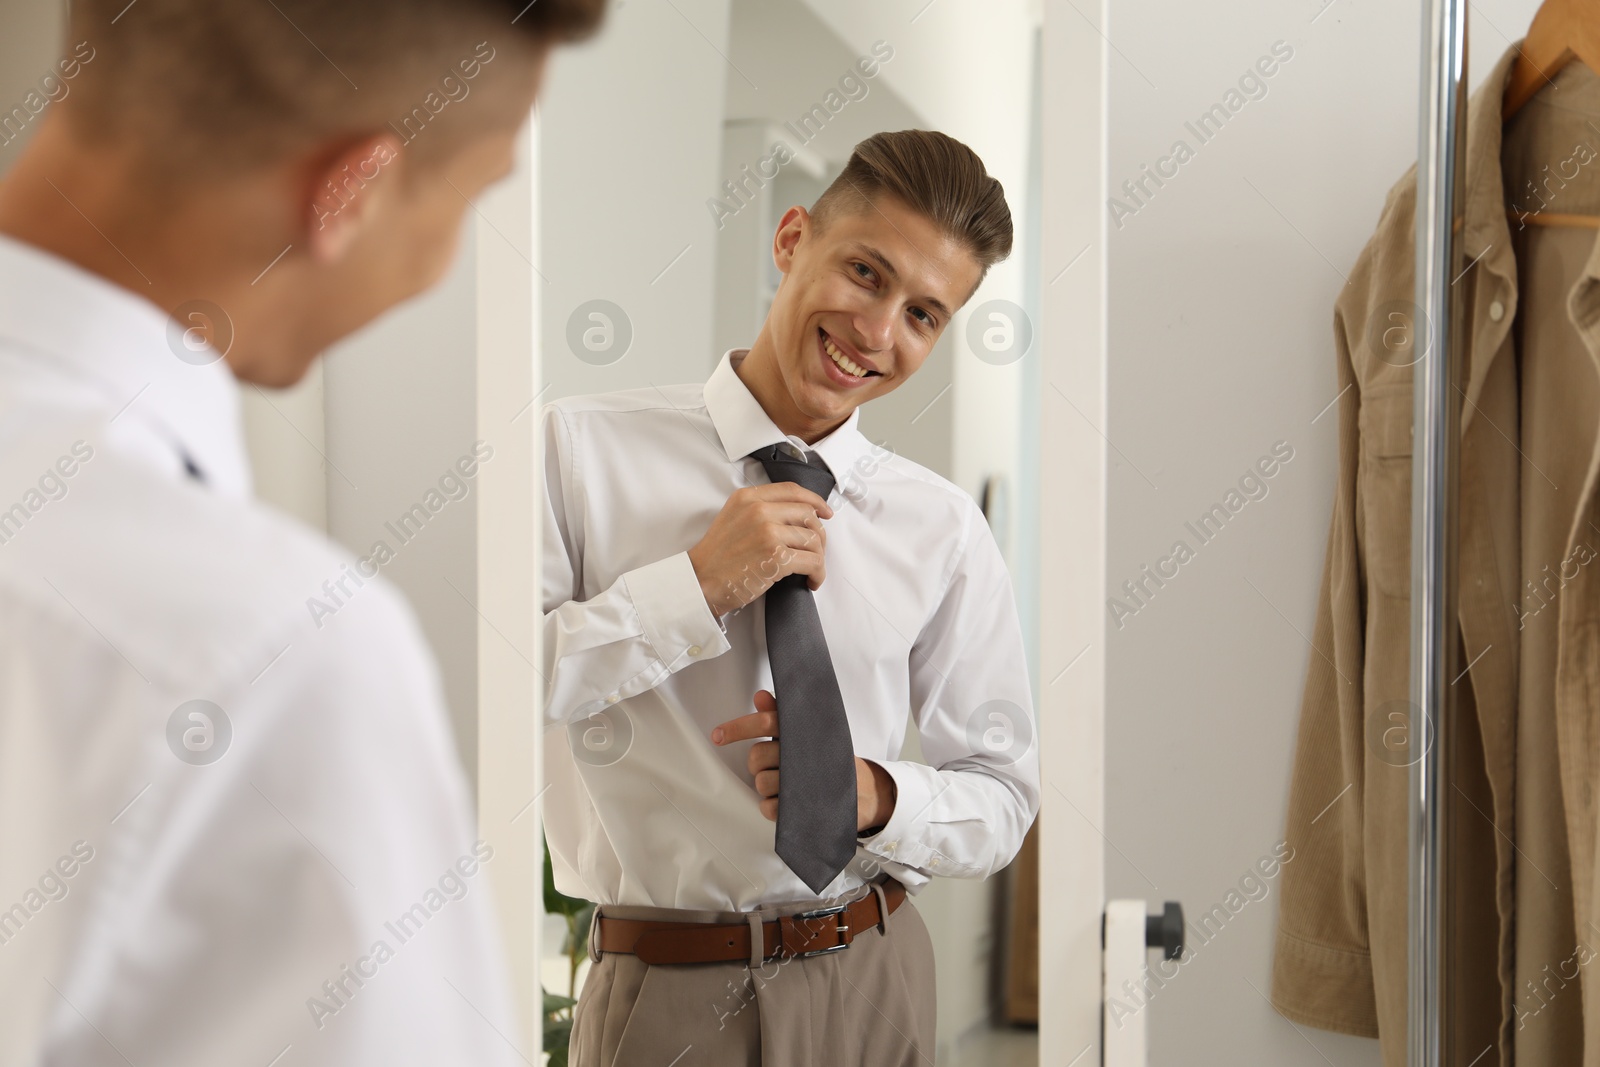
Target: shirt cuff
901, 838
673, 612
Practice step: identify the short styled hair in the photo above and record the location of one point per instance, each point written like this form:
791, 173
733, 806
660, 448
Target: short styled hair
213, 85
934, 175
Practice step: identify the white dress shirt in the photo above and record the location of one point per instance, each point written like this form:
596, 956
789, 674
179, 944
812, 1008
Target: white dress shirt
917, 608
159, 910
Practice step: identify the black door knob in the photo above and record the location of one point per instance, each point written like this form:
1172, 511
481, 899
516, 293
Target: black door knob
1165, 931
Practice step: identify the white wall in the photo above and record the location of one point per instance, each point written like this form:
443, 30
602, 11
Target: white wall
1220, 312
286, 435
401, 409
631, 145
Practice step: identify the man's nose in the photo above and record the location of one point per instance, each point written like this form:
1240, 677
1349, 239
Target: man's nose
876, 328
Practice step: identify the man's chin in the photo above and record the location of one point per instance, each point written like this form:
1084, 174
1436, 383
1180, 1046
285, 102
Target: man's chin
277, 371
831, 408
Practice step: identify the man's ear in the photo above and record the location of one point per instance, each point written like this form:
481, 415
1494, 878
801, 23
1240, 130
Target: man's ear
347, 191
795, 224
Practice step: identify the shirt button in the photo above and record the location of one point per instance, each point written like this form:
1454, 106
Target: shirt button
1497, 311
694, 650
612, 699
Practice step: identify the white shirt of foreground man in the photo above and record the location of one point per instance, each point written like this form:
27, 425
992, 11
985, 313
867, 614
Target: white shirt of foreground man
289, 869
919, 615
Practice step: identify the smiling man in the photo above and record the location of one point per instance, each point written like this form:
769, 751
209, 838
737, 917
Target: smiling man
740, 587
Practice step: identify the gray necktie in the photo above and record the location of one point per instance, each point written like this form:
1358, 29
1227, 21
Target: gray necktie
816, 833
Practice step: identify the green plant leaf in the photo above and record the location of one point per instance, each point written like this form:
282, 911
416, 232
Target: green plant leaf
558, 1009
557, 1038
557, 1033
557, 1027
579, 929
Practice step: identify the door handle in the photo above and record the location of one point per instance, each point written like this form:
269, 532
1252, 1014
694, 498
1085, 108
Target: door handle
1128, 934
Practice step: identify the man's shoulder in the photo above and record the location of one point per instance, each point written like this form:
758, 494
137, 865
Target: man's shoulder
177, 580
931, 491
917, 508
689, 396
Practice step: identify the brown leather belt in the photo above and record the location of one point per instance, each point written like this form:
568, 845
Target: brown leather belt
806, 933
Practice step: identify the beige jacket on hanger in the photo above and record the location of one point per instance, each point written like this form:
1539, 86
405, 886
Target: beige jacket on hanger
1340, 959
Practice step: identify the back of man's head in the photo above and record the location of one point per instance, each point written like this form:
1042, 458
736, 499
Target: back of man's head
211, 85
299, 165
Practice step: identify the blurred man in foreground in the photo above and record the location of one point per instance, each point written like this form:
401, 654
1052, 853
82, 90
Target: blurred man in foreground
230, 832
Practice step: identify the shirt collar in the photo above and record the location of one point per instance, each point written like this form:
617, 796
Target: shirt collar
1486, 233
119, 343
1486, 228
744, 426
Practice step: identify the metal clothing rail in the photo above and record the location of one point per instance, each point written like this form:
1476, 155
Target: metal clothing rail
1441, 178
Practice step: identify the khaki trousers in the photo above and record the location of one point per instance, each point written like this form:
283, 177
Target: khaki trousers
870, 1004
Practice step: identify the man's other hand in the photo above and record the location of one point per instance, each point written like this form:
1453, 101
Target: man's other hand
875, 790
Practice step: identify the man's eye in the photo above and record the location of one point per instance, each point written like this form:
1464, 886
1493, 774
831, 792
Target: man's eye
862, 270
927, 319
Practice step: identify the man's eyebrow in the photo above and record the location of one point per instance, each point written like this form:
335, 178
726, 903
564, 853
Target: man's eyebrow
888, 268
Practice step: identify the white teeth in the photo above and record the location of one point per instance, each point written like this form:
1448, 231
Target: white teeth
850, 366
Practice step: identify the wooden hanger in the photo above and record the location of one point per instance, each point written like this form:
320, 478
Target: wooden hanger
1562, 31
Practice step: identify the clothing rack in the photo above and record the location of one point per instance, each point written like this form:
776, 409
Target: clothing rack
1441, 179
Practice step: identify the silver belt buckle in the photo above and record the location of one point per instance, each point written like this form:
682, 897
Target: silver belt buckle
842, 928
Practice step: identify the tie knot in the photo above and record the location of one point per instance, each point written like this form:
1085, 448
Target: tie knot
812, 472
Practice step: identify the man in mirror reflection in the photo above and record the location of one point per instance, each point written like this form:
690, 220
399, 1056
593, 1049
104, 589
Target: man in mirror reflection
745, 599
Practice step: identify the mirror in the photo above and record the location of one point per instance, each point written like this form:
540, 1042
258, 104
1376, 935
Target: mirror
665, 173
